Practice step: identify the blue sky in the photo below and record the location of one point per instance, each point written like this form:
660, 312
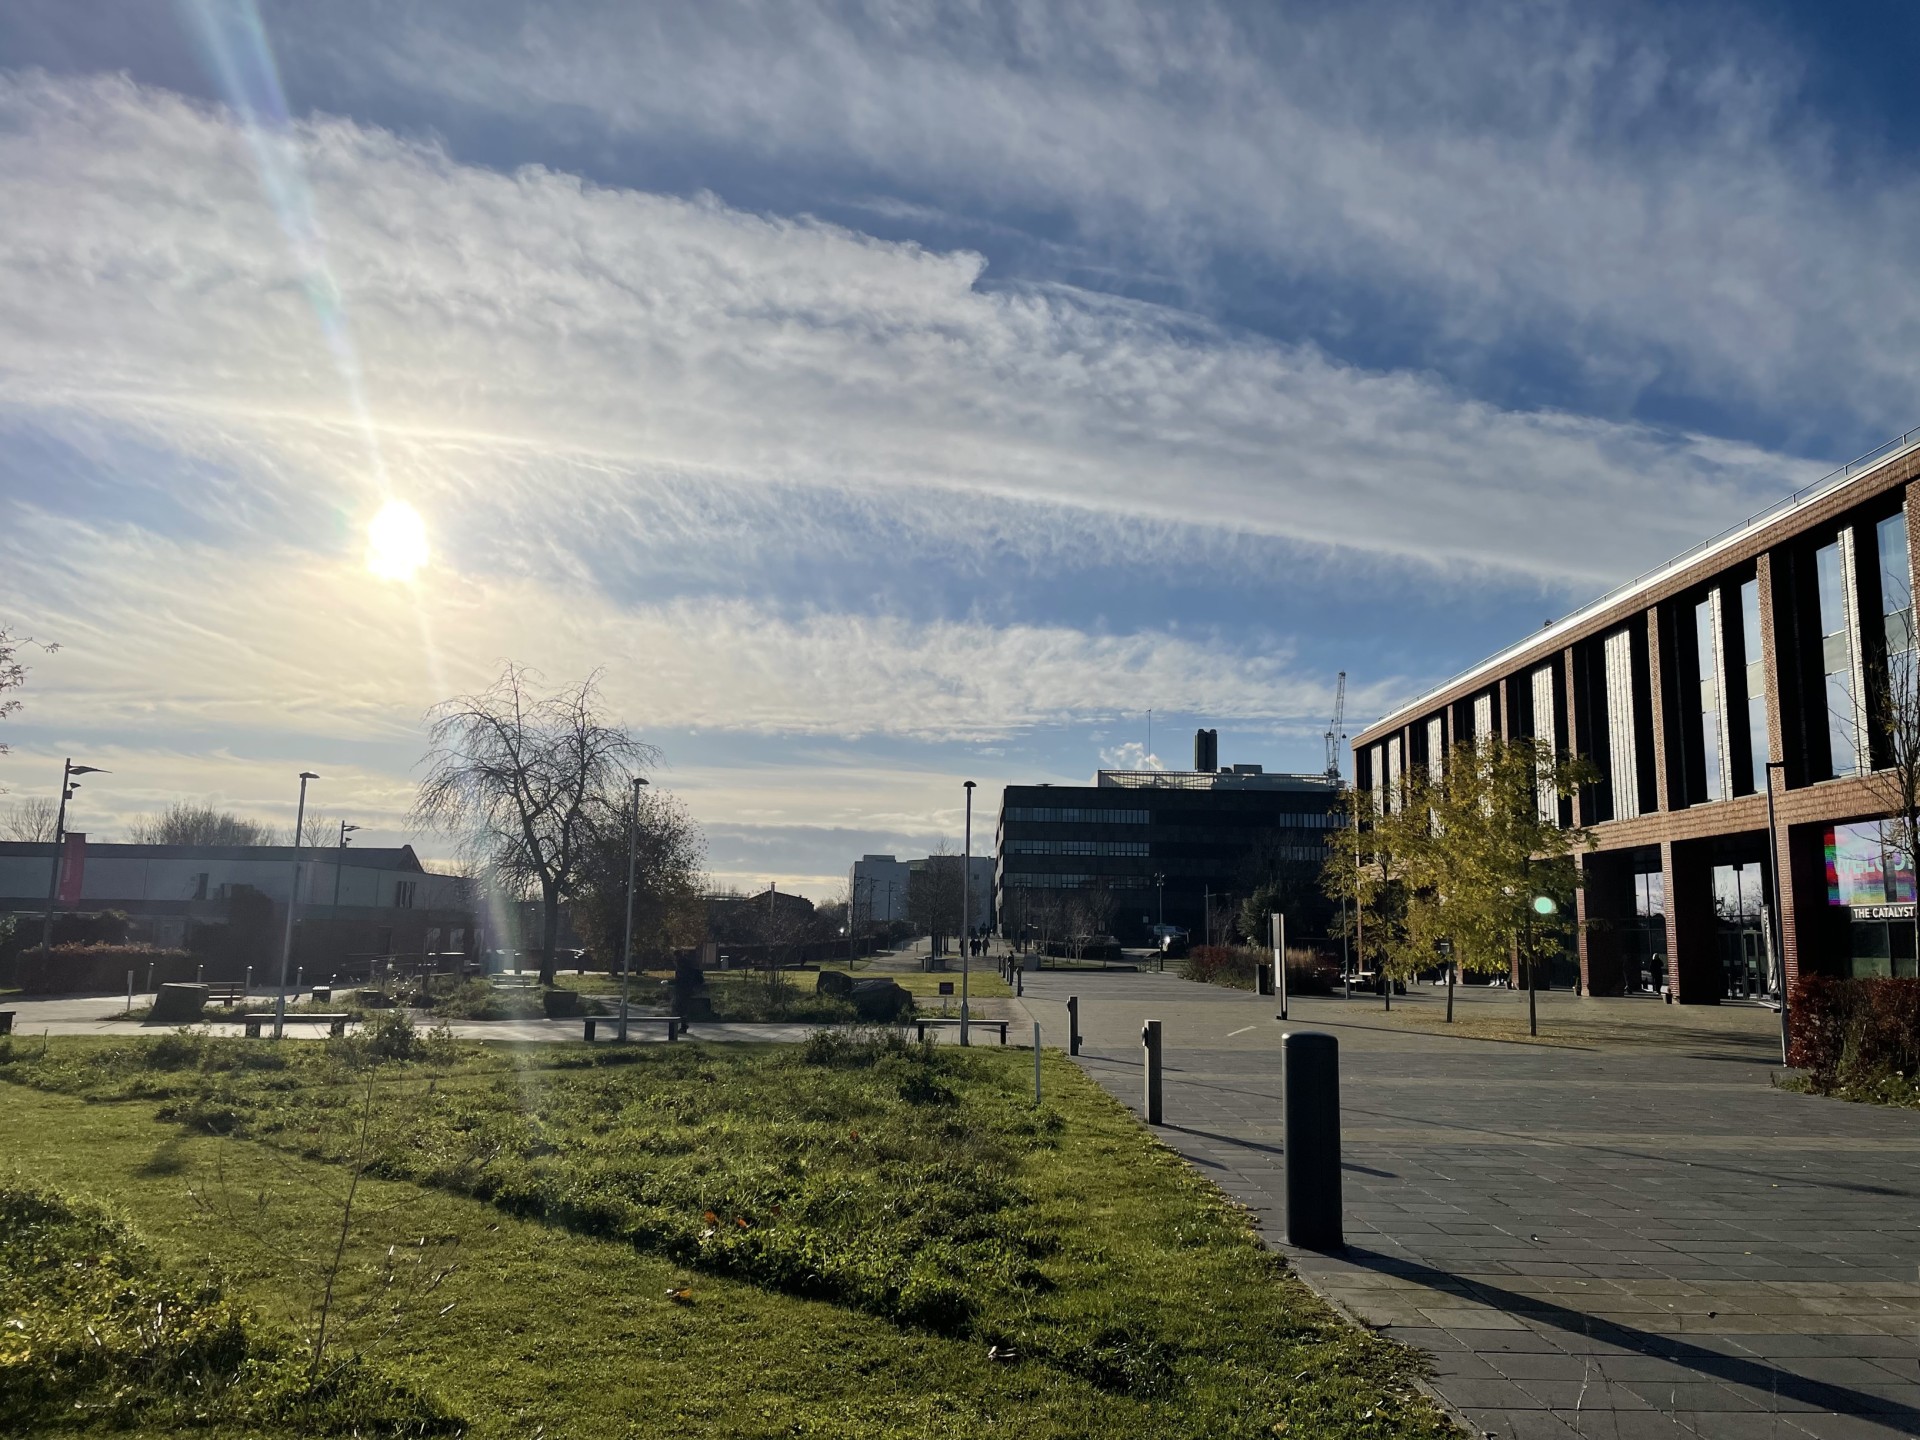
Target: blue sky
887, 394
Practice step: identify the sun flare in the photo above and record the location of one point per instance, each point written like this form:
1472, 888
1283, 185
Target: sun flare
396, 541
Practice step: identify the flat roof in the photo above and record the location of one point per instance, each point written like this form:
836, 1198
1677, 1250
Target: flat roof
1649, 580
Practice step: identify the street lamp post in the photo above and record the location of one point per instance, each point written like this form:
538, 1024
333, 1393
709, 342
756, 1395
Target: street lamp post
67, 786
340, 863
1542, 905
293, 902
633, 854
1779, 956
966, 913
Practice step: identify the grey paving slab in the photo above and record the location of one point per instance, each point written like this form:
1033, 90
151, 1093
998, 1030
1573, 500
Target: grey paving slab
1602, 1238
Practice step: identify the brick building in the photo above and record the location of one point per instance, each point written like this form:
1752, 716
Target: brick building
1755, 662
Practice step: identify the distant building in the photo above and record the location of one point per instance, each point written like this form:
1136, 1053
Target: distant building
1137, 845
355, 902
884, 889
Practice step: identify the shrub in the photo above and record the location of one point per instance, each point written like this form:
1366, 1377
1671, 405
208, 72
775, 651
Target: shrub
1223, 965
73, 968
1853, 1027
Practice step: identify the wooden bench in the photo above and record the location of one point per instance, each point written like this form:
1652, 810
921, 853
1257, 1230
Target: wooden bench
673, 1023
920, 1026
226, 994
336, 1024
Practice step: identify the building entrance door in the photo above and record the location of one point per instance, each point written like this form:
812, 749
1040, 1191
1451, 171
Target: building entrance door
1743, 963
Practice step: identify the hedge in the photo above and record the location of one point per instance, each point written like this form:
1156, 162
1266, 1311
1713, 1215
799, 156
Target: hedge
1853, 1026
76, 968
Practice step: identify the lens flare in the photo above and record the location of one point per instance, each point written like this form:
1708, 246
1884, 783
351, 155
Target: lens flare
396, 541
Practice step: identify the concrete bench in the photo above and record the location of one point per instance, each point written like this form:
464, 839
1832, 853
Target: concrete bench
920, 1026
673, 1023
336, 1024
6, 1021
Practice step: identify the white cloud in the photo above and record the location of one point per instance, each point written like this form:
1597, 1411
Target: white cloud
1639, 194
528, 341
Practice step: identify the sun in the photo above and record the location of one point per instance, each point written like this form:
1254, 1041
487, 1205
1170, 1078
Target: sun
396, 541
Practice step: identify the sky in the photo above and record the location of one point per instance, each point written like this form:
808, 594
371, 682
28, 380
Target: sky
884, 395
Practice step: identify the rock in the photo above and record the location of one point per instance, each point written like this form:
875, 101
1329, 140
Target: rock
880, 999
178, 1004
833, 982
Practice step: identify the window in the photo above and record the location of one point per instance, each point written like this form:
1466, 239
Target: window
1068, 815
1836, 646
1865, 866
1896, 583
1017, 881
403, 894
1756, 683
1076, 847
1706, 639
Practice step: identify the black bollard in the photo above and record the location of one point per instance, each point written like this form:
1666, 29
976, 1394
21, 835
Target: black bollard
1150, 1043
1073, 1024
1311, 1062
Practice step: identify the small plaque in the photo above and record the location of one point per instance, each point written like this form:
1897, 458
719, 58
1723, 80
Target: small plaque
946, 987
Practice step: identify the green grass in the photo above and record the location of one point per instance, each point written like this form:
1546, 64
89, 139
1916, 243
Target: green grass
983, 983
845, 1227
98, 1335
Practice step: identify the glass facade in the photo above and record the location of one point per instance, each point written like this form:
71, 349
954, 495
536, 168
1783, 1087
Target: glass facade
1644, 943
1712, 740
1837, 657
1756, 683
1739, 896
1896, 583
1869, 875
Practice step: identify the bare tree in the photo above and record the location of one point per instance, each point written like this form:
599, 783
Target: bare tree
32, 820
516, 775
934, 894
184, 823
12, 673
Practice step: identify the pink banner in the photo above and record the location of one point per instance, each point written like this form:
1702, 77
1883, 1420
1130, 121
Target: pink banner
73, 867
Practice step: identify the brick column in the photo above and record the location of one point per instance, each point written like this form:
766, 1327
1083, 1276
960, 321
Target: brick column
1657, 695
1784, 918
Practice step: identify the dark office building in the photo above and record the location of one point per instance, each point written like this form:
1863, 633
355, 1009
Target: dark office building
1135, 840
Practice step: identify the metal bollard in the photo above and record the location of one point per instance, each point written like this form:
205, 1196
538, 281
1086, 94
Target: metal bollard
1036, 1062
1019, 984
1073, 1024
129, 992
1311, 1064
1150, 1043
248, 987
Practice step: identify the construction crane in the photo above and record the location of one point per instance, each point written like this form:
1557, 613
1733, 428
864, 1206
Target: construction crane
1334, 738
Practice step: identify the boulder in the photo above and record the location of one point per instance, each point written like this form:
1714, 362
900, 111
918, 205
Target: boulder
834, 982
880, 999
178, 1004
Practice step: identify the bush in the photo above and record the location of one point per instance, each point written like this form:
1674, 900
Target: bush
1853, 1028
1223, 965
74, 968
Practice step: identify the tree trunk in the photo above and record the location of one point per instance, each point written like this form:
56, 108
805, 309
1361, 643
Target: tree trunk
550, 934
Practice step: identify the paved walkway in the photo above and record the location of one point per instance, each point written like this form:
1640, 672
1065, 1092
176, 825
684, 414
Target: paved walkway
98, 1015
1605, 1240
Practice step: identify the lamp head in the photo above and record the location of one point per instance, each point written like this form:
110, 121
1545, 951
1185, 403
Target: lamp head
86, 770
348, 829
1544, 905
308, 775
969, 784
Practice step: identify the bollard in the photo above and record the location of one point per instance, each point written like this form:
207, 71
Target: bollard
1311, 1064
149, 979
199, 973
1073, 1024
1150, 1043
1036, 1062
129, 992
1277, 924
1019, 984
247, 989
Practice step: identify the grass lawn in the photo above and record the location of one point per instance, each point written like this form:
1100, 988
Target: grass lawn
848, 1238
